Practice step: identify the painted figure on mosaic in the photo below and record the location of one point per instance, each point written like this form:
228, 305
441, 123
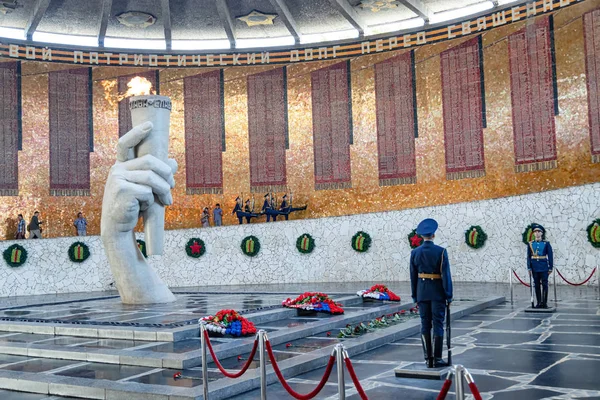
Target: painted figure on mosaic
134, 184
431, 284
249, 210
218, 215
286, 209
269, 207
540, 262
80, 224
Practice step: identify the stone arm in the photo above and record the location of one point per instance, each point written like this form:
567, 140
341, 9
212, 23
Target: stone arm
130, 189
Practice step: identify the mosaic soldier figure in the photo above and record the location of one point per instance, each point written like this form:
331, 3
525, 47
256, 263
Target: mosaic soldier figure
540, 262
286, 210
431, 285
237, 210
268, 208
248, 212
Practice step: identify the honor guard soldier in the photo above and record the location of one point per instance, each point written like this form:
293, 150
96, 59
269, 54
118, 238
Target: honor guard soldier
237, 210
248, 212
286, 209
431, 286
267, 208
540, 262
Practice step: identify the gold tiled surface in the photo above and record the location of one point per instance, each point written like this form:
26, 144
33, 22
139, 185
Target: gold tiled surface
432, 187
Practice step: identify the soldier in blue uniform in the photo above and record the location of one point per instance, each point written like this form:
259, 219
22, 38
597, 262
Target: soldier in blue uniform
268, 208
540, 262
237, 210
431, 286
248, 212
286, 210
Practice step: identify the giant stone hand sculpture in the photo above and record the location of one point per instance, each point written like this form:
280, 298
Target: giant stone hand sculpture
132, 187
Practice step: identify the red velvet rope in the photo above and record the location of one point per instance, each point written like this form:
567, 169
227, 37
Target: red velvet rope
357, 384
445, 389
475, 391
520, 280
576, 284
223, 370
287, 387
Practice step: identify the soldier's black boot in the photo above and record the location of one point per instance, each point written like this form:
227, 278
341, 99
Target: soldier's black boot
427, 349
544, 299
538, 297
438, 347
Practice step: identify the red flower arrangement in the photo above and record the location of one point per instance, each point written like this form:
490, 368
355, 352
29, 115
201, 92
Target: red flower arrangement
229, 322
314, 301
379, 292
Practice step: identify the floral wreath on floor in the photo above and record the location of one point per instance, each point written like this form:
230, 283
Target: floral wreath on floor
593, 231
305, 243
229, 322
314, 301
414, 240
379, 292
382, 322
475, 237
250, 246
15, 255
142, 246
195, 248
79, 252
361, 241
528, 234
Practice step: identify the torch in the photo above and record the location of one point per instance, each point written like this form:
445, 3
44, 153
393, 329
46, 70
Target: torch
156, 109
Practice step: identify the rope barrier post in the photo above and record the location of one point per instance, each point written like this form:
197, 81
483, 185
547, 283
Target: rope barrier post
598, 279
263, 364
472, 386
204, 359
554, 284
339, 359
459, 382
510, 284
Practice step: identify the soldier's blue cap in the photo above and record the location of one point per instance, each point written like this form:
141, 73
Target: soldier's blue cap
538, 227
427, 227
237, 198
266, 194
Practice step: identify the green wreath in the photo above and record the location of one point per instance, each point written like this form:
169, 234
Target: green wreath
195, 248
305, 243
593, 233
142, 246
79, 252
15, 255
361, 241
528, 234
250, 246
414, 240
475, 237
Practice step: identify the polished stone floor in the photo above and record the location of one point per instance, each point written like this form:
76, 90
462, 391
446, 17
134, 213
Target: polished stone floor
511, 354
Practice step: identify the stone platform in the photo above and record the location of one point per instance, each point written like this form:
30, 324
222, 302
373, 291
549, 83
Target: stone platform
510, 353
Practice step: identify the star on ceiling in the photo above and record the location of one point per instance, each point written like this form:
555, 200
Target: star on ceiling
136, 19
255, 18
378, 5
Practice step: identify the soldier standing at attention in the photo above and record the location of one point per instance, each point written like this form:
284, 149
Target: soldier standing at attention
431, 286
237, 210
540, 262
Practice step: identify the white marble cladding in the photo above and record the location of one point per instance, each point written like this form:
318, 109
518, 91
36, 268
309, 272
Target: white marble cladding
565, 213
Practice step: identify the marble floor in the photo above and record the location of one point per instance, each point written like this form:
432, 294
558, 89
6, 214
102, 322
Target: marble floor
511, 354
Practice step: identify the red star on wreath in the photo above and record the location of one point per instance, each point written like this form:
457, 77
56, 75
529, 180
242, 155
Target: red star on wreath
415, 240
196, 248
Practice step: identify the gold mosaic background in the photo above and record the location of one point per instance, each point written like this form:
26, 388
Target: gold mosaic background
365, 196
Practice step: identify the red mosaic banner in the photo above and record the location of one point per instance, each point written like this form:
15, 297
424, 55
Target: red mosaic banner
532, 94
203, 98
591, 21
394, 99
70, 106
124, 113
462, 103
332, 134
10, 116
267, 130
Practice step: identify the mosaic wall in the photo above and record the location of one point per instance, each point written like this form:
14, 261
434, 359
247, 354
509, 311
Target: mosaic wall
463, 120
565, 213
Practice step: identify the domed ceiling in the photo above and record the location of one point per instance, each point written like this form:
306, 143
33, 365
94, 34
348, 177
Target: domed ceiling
222, 24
